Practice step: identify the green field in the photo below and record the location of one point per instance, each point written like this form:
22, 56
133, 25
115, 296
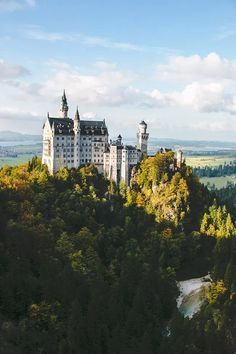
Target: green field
25, 153
211, 161
13, 161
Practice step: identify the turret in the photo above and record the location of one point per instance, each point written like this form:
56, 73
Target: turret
142, 137
119, 140
77, 139
179, 158
64, 106
76, 121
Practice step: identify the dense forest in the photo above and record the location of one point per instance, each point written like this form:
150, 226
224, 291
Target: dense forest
87, 267
216, 171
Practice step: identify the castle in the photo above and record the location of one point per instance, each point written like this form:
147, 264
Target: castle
73, 142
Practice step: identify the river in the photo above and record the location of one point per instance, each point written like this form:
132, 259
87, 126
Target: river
192, 295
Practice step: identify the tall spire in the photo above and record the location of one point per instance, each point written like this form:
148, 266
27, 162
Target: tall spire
77, 122
77, 117
64, 106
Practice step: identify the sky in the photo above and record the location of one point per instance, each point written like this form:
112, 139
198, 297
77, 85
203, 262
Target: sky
170, 63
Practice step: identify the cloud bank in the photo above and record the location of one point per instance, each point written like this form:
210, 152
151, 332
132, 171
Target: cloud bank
195, 67
205, 84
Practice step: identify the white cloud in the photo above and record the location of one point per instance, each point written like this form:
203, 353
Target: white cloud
13, 5
195, 67
9, 71
110, 87
208, 97
201, 97
113, 87
104, 66
13, 114
106, 88
9, 5
56, 65
36, 33
31, 2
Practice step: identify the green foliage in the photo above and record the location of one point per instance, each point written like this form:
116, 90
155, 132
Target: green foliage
216, 291
217, 222
168, 194
80, 272
86, 267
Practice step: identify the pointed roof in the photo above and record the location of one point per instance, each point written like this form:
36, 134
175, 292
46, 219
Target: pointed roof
64, 95
64, 100
77, 117
142, 123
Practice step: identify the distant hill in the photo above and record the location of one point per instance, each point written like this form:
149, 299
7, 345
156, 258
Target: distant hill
15, 136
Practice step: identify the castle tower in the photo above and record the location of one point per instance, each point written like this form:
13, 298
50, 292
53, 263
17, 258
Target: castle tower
119, 140
142, 136
64, 106
179, 158
77, 139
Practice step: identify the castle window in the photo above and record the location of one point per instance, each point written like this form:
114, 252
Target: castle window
72, 160
62, 137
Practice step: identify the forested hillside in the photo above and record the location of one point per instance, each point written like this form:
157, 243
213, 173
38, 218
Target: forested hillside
90, 268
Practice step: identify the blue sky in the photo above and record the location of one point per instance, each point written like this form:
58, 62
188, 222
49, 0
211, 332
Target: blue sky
172, 63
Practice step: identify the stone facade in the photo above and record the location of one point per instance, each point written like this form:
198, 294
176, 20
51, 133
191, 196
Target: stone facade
73, 142
120, 159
